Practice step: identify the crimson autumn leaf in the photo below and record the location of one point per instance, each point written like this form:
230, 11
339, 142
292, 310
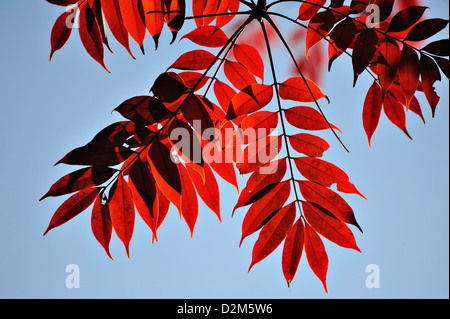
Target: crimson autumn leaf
316, 254
208, 36
300, 90
60, 32
101, 224
292, 250
250, 58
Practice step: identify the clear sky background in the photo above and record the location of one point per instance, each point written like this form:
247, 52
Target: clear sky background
50, 108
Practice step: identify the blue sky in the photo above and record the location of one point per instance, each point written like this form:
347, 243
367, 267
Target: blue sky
48, 108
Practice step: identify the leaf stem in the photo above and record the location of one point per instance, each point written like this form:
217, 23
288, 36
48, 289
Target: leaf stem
272, 67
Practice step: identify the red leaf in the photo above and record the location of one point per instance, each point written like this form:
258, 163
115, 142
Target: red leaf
250, 58
210, 10
262, 182
426, 29
144, 192
168, 87
194, 60
388, 63
308, 144
60, 32
165, 172
430, 74
191, 79
395, 111
63, 3
146, 110
329, 200
175, 13
101, 224
329, 226
440, 47
121, 208
133, 19
292, 250
409, 73
344, 33
197, 114
273, 233
80, 179
90, 34
96, 156
224, 94
373, 106
189, 202
154, 18
208, 36
363, 51
296, 89
316, 254
73, 206
325, 174
263, 210
258, 125
308, 10
197, 9
406, 18
207, 188
224, 7
111, 10
249, 100
238, 75
259, 153
318, 28
307, 118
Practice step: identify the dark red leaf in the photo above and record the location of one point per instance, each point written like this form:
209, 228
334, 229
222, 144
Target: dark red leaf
63, 3
406, 18
363, 51
146, 110
165, 171
101, 224
430, 74
96, 156
273, 233
73, 206
196, 113
258, 125
440, 47
121, 208
168, 87
388, 63
426, 29
144, 191
409, 72
61, 31
80, 179
175, 13
344, 33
